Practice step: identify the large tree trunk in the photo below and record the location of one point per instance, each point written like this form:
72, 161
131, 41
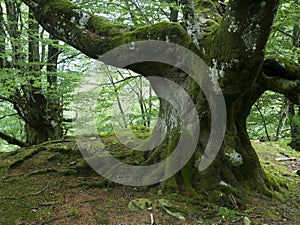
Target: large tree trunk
234, 50
39, 108
235, 170
42, 114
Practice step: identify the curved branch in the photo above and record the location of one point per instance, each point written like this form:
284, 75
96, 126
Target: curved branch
93, 35
283, 76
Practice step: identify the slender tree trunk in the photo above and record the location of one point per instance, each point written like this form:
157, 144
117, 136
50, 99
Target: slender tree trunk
264, 122
282, 119
294, 116
125, 125
2, 40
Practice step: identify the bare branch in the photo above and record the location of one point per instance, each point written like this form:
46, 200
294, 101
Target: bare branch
120, 81
3, 117
13, 140
283, 32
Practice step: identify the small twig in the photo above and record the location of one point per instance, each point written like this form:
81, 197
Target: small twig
42, 171
283, 32
26, 205
255, 216
56, 218
285, 159
233, 201
152, 219
129, 198
2, 117
127, 195
237, 220
47, 203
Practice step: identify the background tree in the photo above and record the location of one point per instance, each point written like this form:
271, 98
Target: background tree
232, 43
294, 110
31, 86
283, 41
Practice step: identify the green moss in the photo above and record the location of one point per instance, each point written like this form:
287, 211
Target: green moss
101, 219
103, 27
281, 67
24, 155
141, 132
274, 181
219, 198
170, 185
174, 32
227, 213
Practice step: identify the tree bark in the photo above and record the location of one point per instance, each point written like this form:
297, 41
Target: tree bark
294, 116
43, 114
282, 119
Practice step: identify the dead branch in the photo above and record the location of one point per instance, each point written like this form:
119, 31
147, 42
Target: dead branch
152, 219
285, 159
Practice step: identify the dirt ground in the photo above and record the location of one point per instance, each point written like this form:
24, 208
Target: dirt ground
38, 189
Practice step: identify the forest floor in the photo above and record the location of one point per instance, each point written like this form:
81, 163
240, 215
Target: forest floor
50, 184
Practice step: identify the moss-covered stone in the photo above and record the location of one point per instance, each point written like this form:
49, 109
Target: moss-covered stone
139, 204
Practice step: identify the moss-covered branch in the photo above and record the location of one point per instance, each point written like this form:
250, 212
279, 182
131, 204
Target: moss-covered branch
283, 76
93, 35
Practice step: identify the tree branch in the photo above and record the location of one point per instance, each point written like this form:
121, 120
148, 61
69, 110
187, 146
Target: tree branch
93, 35
3, 117
283, 76
13, 140
119, 81
285, 33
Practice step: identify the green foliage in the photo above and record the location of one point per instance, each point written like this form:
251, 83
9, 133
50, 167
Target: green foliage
281, 39
133, 12
123, 99
11, 124
25, 75
265, 116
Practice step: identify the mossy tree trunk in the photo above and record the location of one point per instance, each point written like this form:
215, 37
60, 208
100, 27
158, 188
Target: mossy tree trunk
294, 115
40, 109
232, 43
42, 114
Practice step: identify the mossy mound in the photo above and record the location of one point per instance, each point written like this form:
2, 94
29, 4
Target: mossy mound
52, 184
